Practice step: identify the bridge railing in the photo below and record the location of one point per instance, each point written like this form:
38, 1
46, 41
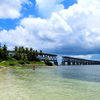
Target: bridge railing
47, 58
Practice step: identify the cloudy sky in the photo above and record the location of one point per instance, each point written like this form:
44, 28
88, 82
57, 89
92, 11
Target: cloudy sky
63, 27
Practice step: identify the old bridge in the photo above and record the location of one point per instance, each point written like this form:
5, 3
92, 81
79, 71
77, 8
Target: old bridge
77, 61
67, 60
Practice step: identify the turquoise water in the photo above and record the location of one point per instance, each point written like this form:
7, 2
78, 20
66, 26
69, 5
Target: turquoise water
51, 83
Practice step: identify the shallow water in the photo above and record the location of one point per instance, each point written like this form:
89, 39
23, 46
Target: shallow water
48, 83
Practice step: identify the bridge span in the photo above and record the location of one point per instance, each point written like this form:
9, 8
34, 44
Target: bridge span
48, 57
66, 60
78, 61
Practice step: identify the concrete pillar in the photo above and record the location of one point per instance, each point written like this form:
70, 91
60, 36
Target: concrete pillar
68, 63
73, 63
56, 63
82, 63
77, 63
63, 63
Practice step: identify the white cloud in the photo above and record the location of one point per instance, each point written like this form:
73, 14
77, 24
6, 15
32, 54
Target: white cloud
46, 7
50, 32
75, 30
11, 8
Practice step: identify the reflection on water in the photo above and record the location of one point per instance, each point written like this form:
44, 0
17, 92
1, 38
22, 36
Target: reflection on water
60, 83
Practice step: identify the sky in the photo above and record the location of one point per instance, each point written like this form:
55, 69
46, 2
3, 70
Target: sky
63, 27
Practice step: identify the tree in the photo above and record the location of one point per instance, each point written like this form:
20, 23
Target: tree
22, 53
16, 49
40, 52
0, 45
1, 54
5, 52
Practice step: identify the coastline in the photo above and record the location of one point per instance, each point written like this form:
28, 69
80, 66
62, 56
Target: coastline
25, 66
2, 67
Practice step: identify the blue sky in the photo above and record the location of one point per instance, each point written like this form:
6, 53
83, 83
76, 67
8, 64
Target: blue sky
64, 27
26, 11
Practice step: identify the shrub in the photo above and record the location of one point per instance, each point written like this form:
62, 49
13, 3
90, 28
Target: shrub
12, 63
21, 62
37, 59
27, 62
0, 60
48, 63
11, 59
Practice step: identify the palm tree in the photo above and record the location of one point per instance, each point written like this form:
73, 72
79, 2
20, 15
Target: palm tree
5, 52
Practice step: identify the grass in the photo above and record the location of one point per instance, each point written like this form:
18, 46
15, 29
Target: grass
34, 62
8, 63
21, 67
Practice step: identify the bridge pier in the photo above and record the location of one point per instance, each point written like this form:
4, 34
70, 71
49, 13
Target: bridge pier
56, 63
73, 63
63, 63
77, 63
68, 63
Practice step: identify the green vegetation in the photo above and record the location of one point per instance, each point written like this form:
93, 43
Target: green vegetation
20, 55
3, 52
48, 63
8, 63
25, 54
21, 62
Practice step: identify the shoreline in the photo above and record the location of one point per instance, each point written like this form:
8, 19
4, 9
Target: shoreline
1, 68
32, 66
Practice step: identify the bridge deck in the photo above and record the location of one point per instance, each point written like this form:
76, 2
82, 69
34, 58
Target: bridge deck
78, 61
49, 57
